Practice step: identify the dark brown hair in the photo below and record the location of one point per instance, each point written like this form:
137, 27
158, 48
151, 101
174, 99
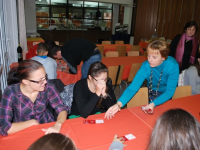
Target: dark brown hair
53, 141
96, 69
50, 45
190, 24
176, 129
161, 46
42, 48
23, 71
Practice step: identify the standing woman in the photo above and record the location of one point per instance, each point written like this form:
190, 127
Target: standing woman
184, 47
93, 94
161, 72
25, 104
192, 77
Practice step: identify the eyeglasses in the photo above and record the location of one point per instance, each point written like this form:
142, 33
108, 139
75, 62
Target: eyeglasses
105, 80
41, 81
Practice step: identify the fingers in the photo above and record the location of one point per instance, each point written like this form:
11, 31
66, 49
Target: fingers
49, 130
111, 112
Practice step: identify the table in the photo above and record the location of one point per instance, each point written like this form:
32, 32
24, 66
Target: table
99, 136
68, 78
31, 40
112, 47
126, 61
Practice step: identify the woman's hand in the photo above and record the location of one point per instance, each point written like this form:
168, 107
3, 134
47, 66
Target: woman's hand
118, 139
100, 88
150, 106
53, 129
113, 110
34, 122
59, 69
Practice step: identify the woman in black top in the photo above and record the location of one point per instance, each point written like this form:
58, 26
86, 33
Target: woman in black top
93, 94
184, 47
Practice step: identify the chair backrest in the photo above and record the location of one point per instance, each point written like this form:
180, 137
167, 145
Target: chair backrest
182, 91
106, 42
140, 98
57, 42
112, 54
34, 43
135, 48
119, 42
134, 69
121, 50
112, 73
101, 49
133, 53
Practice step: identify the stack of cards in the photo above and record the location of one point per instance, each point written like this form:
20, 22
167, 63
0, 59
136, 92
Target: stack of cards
93, 121
147, 110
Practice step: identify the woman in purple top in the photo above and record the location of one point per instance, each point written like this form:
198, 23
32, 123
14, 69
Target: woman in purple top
25, 104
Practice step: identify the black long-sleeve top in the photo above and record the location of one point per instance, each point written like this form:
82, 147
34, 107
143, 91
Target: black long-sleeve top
187, 51
76, 50
85, 102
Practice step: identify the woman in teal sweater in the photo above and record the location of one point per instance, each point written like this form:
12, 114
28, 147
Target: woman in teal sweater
161, 72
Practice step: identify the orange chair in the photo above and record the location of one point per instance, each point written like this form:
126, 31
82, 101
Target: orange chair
135, 48
101, 49
112, 54
119, 42
106, 42
133, 53
121, 50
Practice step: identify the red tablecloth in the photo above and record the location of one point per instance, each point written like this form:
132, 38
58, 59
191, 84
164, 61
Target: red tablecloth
112, 47
31, 40
68, 78
100, 136
126, 61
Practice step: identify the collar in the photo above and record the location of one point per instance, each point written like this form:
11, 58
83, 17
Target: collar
43, 57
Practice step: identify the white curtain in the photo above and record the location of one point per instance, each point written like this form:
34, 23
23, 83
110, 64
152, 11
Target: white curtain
22, 27
8, 38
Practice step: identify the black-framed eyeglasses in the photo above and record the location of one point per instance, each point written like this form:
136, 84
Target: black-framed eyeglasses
41, 81
100, 80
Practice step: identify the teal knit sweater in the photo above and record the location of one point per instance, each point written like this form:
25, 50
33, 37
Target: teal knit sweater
168, 81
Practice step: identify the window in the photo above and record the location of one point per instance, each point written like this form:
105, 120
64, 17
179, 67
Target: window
73, 14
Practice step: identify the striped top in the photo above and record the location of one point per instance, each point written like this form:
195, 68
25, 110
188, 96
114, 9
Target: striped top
16, 107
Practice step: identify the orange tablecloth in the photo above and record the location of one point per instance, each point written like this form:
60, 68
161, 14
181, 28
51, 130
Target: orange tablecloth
100, 136
31, 40
126, 61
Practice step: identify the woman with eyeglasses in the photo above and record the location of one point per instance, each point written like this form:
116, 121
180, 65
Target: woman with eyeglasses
161, 73
93, 94
24, 104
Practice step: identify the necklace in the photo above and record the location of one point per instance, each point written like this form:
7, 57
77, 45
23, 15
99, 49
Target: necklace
150, 85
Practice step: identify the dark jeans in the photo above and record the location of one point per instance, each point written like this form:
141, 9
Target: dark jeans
86, 64
153, 95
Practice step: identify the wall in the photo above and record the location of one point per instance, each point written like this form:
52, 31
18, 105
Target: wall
30, 16
173, 15
167, 16
146, 19
115, 16
128, 17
